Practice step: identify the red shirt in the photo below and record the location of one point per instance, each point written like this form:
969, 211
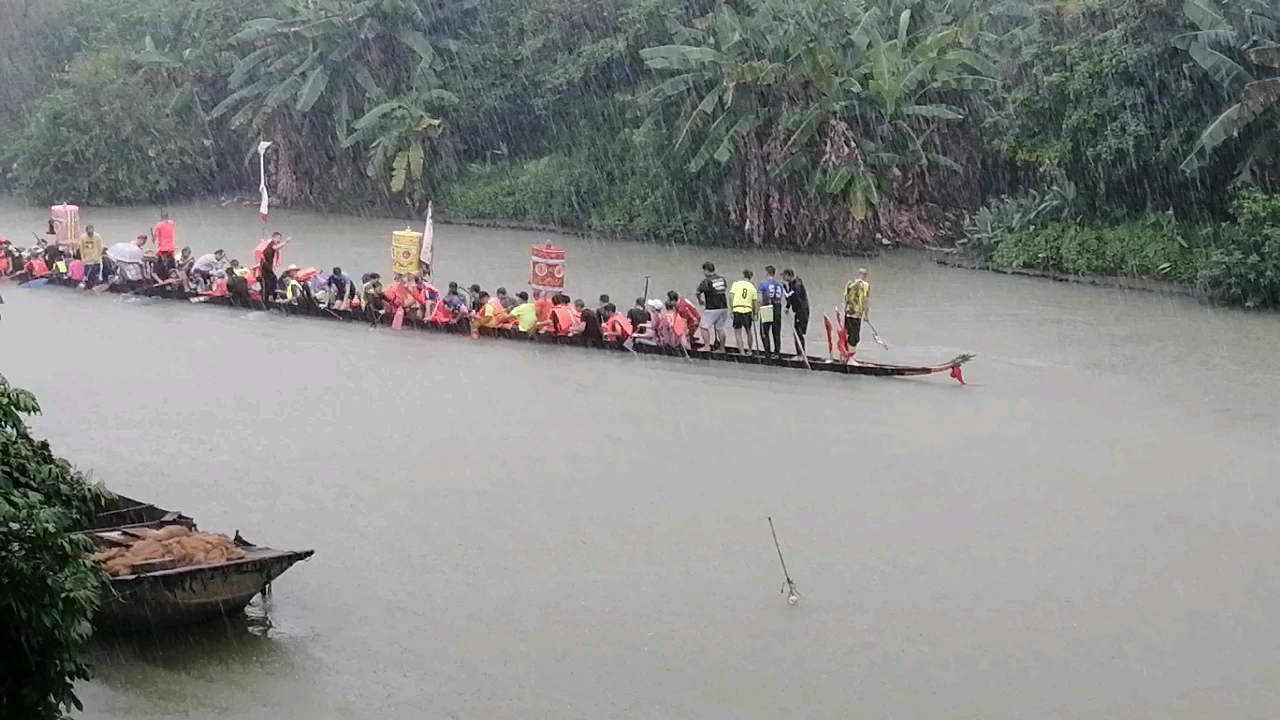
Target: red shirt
164, 236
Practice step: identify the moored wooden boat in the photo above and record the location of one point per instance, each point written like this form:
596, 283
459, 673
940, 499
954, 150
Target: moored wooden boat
185, 595
788, 361
170, 596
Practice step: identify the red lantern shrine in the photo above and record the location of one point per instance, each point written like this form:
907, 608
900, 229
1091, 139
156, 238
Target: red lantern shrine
548, 268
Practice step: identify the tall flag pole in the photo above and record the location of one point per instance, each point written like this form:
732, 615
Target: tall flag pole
427, 257
262, 178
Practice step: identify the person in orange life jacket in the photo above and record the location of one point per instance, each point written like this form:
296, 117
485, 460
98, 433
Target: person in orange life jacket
689, 312
268, 254
617, 328
542, 304
491, 314
425, 294
562, 320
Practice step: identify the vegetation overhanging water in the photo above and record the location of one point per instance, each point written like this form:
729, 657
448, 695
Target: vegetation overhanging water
1112, 137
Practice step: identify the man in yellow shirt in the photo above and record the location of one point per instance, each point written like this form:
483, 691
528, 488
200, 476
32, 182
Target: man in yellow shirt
744, 298
857, 307
91, 255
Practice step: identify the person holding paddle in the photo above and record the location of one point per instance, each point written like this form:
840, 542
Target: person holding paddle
857, 307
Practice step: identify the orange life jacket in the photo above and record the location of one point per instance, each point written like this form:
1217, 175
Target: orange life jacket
543, 308
618, 325
563, 317
498, 317
4, 264
396, 294
38, 267
260, 251
440, 314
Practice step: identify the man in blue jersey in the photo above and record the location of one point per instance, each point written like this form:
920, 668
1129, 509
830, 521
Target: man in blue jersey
771, 297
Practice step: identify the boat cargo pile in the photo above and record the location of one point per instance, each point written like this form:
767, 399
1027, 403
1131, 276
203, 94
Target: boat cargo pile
165, 572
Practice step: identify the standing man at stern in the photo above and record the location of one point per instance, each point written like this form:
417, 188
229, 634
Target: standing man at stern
713, 296
857, 307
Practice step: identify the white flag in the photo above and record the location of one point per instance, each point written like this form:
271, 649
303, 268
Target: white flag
427, 257
262, 175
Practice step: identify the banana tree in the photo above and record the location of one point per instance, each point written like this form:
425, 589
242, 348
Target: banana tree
1238, 45
843, 94
400, 135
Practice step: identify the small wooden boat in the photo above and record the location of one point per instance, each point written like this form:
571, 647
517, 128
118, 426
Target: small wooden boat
788, 361
167, 596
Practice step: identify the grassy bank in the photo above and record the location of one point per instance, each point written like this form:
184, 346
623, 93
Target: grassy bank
1234, 263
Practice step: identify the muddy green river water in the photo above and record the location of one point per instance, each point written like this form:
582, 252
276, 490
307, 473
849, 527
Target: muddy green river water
504, 530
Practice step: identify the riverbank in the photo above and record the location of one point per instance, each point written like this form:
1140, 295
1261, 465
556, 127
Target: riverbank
1112, 282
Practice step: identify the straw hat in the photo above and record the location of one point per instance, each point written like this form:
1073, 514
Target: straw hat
291, 268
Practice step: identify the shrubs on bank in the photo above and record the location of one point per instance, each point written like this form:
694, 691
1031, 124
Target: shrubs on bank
49, 590
1236, 263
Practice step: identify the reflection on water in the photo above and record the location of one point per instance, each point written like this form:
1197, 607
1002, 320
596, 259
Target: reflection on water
512, 530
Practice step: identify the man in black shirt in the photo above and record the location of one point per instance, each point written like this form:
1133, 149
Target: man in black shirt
712, 296
798, 303
589, 324
638, 316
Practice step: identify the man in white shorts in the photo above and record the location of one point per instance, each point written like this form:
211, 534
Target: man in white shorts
715, 315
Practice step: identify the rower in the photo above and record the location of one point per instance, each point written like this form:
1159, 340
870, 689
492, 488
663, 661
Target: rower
745, 299
342, 290
686, 310
124, 261
562, 319
617, 328
638, 316
507, 301
292, 289
588, 324
491, 314
525, 314
371, 296
857, 306
208, 265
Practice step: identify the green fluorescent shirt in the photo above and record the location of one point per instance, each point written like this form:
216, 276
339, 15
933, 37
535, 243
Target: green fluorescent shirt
527, 314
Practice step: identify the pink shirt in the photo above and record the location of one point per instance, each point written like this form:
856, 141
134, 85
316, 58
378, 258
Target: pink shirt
164, 236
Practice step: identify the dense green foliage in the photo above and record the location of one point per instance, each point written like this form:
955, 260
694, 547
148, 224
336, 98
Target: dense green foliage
834, 124
1237, 262
49, 590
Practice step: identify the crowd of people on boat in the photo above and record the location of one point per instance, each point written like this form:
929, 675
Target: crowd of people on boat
751, 309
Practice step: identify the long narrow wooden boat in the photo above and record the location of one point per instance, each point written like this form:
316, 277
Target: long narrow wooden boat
789, 361
181, 595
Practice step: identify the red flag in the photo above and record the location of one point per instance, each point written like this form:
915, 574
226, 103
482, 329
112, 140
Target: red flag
959, 376
842, 343
830, 351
